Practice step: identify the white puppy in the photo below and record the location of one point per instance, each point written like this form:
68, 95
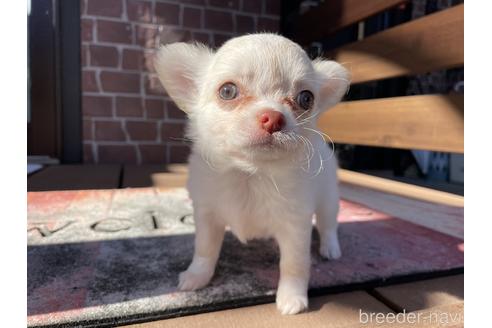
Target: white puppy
258, 164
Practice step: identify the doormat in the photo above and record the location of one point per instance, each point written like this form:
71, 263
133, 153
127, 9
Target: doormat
108, 257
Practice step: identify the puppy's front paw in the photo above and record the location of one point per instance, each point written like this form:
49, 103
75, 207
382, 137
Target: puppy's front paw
331, 252
330, 248
189, 280
291, 304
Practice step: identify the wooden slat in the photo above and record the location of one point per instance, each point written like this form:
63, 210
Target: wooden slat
426, 44
332, 16
400, 188
453, 188
169, 180
157, 175
446, 219
430, 122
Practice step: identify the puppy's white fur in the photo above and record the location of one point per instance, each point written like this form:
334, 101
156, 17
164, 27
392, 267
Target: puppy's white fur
257, 189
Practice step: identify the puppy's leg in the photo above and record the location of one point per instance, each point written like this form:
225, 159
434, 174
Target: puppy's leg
208, 240
295, 261
327, 225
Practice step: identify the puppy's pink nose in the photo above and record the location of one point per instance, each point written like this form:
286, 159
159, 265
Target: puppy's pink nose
271, 120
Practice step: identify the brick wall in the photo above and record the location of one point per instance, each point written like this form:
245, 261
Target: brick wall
127, 118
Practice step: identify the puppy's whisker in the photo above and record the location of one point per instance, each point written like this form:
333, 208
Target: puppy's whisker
323, 135
313, 114
297, 139
309, 146
320, 165
309, 152
293, 139
303, 113
276, 186
307, 119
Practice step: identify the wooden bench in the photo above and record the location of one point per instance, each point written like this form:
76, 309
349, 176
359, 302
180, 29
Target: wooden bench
427, 122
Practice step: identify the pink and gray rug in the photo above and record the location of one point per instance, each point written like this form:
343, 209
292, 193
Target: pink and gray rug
113, 256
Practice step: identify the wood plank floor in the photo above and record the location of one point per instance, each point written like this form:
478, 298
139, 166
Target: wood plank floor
430, 293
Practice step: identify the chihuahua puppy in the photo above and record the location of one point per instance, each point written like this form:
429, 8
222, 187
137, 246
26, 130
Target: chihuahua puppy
258, 164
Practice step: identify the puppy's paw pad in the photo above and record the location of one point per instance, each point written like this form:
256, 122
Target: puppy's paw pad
331, 251
192, 280
292, 304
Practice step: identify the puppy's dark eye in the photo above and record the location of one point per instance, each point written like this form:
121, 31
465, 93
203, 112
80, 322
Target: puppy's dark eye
305, 99
228, 91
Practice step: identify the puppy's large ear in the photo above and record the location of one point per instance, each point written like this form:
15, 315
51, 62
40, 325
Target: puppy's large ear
334, 79
179, 66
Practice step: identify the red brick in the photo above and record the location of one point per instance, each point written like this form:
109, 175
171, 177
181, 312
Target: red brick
86, 29
218, 20
173, 111
147, 36
153, 154
253, 6
220, 39
179, 154
201, 37
192, 17
84, 58
117, 32
87, 129
154, 108
230, 4
103, 56
172, 131
139, 11
109, 131
272, 7
142, 131
109, 8
117, 154
176, 35
245, 24
268, 24
132, 59
148, 61
194, 2
153, 86
89, 83
167, 13
129, 107
96, 106
88, 157
120, 82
